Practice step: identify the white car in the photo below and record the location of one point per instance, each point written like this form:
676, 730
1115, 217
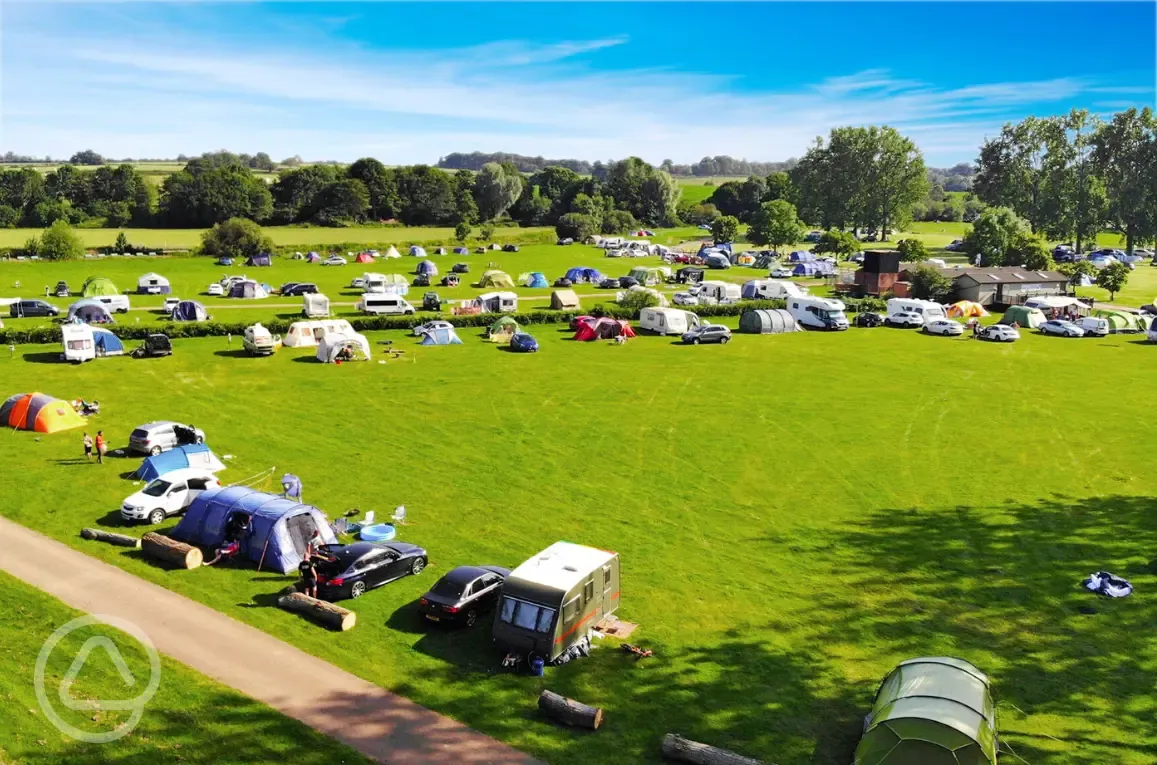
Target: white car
684, 298
1061, 328
334, 260
781, 272
999, 333
359, 283
431, 326
215, 290
946, 327
169, 494
909, 319
170, 304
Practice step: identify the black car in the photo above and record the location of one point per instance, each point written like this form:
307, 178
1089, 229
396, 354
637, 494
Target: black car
153, 345
510, 248
461, 268
422, 280
609, 284
627, 281
869, 319
62, 290
347, 571
32, 308
299, 288
463, 594
431, 302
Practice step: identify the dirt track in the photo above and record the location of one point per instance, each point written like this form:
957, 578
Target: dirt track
381, 725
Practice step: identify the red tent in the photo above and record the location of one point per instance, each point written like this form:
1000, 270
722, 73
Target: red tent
364, 257
603, 329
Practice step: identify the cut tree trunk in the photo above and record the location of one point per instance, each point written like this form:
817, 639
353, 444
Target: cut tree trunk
169, 550
686, 750
321, 611
113, 539
569, 711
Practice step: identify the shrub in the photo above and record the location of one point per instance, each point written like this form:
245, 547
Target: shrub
576, 226
912, 251
60, 242
235, 238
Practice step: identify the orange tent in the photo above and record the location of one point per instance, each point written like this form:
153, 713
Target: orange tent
966, 308
39, 412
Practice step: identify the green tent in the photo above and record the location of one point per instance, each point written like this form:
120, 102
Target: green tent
1024, 317
931, 711
1122, 321
504, 326
648, 277
98, 286
497, 280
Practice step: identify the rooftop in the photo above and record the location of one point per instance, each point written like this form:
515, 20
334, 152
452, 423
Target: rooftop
562, 565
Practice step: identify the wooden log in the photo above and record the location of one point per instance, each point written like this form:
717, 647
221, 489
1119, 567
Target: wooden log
686, 750
569, 711
321, 611
170, 550
113, 539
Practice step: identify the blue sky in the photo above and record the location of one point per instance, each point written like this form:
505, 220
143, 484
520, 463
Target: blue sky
409, 82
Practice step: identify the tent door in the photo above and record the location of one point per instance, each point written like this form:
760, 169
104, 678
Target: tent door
301, 529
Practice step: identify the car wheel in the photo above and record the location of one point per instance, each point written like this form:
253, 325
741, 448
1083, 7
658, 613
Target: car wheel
471, 617
417, 566
694, 341
157, 516
357, 589
724, 340
155, 451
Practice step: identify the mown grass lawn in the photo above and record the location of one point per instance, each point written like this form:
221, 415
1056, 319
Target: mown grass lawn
795, 514
190, 720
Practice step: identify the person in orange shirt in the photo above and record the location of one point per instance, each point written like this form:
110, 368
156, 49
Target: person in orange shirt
101, 446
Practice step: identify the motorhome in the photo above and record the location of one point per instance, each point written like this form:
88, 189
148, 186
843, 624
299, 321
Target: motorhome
555, 599
818, 313
772, 289
926, 308
305, 334
77, 343
373, 283
391, 305
667, 321
258, 341
719, 292
314, 305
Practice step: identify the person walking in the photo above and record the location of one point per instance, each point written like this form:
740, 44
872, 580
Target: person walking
101, 446
88, 447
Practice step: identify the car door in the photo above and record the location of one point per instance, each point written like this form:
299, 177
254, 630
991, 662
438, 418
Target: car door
177, 497
165, 437
379, 566
487, 589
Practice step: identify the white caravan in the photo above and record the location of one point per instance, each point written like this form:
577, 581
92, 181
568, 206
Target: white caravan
667, 321
77, 342
314, 305
818, 313
719, 292
926, 308
776, 289
306, 334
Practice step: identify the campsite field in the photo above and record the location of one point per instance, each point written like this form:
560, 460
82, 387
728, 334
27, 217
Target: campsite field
795, 514
192, 719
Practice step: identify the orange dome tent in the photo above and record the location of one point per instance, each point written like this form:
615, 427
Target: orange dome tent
39, 412
966, 308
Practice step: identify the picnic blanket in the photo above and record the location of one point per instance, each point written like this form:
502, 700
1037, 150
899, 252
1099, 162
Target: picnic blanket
1109, 585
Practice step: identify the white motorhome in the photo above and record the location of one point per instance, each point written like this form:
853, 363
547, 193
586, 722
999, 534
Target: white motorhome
719, 292
77, 342
926, 308
818, 313
775, 289
667, 321
314, 305
373, 283
305, 334
388, 305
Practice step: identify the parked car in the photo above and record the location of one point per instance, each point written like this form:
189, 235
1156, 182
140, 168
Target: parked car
868, 319
781, 272
626, 282
62, 290
152, 346
999, 333
946, 327
707, 333
422, 280
684, 298
167, 495
463, 594
907, 319
521, 342
609, 284
215, 290
460, 268
1061, 328
811, 236
857, 258
358, 283
334, 260
956, 245
170, 303
430, 326
348, 571
1143, 253
296, 289
162, 435
32, 308
1094, 326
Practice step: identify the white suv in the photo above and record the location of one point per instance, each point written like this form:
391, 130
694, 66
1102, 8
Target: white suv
167, 495
909, 319
160, 436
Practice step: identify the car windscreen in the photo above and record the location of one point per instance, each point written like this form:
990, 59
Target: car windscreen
446, 588
157, 488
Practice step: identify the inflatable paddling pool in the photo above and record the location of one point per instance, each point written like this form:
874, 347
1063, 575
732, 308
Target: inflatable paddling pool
379, 532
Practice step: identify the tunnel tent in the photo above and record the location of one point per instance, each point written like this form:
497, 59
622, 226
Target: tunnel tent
39, 412
931, 711
768, 322
1030, 318
281, 528
153, 284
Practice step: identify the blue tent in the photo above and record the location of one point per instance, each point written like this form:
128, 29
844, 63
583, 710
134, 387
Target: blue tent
224, 260
427, 267
259, 260
189, 310
461, 250
417, 251
716, 260
537, 280
90, 311
750, 290
280, 530
190, 455
313, 257
580, 274
106, 343
705, 248
441, 336
802, 256
818, 268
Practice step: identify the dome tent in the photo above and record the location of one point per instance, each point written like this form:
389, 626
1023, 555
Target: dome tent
90, 311
189, 310
105, 343
417, 252
313, 257
187, 456
427, 268
764, 322
441, 336
98, 286
281, 528
461, 251
930, 711
39, 412
580, 274
496, 280
259, 260
364, 257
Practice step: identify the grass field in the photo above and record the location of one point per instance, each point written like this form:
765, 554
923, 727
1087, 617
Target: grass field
191, 720
795, 514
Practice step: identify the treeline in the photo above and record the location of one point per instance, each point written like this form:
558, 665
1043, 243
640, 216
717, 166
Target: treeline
725, 165
524, 164
955, 178
706, 167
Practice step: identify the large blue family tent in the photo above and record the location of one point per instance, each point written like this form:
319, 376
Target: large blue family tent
817, 268
105, 343
189, 455
189, 310
803, 256
281, 528
580, 274
259, 260
441, 336
426, 267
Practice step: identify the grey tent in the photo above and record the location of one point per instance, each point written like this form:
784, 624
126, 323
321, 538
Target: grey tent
931, 711
562, 300
768, 322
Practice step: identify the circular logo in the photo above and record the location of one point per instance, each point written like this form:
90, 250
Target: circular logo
136, 705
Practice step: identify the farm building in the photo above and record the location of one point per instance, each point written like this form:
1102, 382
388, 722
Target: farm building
880, 272
989, 286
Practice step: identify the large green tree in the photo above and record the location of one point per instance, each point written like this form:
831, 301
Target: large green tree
496, 189
212, 190
1113, 278
725, 228
235, 238
995, 237
775, 224
380, 184
342, 201
1125, 155
59, 242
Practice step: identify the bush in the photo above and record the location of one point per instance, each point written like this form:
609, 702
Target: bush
617, 222
576, 226
841, 244
636, 300
235, 238
60, 242
462, 231
486, 232
912, 251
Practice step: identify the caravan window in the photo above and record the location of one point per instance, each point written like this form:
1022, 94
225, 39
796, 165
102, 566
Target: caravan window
606, 576
589, 591
79, 345
528, 616
570, 610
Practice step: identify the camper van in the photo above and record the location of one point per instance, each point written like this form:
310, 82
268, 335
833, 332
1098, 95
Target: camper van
667, 321
773, 289
77, 342
314, 305
718, 292
373, 283
555, 598
818, 313
117, 303
926, 308
385, 304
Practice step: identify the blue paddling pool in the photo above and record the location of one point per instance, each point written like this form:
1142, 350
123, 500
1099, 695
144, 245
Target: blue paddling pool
379, 532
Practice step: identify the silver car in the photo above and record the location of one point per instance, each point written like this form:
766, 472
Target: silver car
163, 435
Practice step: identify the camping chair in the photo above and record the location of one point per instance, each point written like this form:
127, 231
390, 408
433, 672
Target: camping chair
399, 516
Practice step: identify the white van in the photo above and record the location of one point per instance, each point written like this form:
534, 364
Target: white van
667, 321
719, 292
818, 313
777, 289
77, 342
928, 309
373, 283
389, 305
117, 303
1094, 326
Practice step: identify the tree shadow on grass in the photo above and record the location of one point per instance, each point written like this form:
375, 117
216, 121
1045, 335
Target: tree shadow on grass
44, 357
235, 353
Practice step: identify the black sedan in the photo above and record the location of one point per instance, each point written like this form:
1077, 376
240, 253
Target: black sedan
463, 594
869, 319
294, 289
347, 571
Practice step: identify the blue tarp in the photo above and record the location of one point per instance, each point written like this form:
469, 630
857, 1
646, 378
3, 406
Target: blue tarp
190, 455
259, 260
441, 336
106, 343
281, 527
90, 311
580, 274
802, 256
190, 310
427, 267
537, 280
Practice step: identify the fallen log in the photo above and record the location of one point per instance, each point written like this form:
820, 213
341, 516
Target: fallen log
321, 611
170, 550
686, 750
113, 539
569, 711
